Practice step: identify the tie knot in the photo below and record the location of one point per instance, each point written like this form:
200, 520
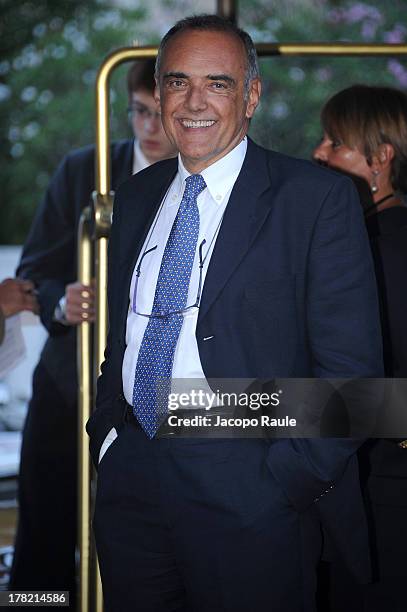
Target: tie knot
195, 183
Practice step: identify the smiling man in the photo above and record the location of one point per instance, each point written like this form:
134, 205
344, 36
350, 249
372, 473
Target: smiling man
230, 262
206, 113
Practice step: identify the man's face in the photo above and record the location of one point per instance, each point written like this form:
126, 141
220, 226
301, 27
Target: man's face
147, 127
202, 98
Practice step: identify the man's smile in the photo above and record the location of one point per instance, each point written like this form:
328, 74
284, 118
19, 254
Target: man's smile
197, 123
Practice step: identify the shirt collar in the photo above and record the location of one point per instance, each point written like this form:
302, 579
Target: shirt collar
219, 176
139, 159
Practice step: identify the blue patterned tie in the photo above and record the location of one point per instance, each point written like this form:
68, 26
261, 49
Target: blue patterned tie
152, 381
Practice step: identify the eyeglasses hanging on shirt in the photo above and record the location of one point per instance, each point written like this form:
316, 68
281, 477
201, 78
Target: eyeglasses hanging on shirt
197, 301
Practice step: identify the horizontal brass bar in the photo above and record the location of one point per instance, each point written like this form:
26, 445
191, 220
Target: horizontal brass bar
326, 48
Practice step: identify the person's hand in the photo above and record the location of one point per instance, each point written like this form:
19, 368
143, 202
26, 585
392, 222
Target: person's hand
80, 303
17, 295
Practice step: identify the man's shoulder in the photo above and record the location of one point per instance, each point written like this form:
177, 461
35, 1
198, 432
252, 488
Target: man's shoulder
298, 188
293, 170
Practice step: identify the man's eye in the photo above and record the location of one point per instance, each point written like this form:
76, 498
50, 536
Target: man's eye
176, 84
218, 85
335, 144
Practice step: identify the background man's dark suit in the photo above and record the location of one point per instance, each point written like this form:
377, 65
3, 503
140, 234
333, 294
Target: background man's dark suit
48, 463
290, 292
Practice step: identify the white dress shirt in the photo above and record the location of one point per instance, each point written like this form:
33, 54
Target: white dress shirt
220, 178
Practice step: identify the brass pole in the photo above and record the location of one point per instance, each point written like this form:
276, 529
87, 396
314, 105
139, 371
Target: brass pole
85, 375
103, 203
227, 9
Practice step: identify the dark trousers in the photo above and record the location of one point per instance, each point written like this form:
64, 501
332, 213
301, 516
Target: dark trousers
44, 554
198, 525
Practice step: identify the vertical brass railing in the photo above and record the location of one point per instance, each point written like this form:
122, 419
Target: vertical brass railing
90, 594
85, 360
227, 9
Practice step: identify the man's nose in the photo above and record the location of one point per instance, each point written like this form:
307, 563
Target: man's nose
196, 99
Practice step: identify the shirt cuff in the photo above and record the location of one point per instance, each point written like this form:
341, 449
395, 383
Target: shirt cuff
60, 312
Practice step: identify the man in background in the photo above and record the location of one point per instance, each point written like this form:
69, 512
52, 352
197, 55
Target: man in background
44, 556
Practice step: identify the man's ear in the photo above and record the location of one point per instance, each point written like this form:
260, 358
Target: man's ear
253, 97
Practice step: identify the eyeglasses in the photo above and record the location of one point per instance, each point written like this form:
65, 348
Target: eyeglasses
142, 112
160, 315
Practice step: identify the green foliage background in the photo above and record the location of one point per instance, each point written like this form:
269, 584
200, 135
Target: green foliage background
50, 51
295, 88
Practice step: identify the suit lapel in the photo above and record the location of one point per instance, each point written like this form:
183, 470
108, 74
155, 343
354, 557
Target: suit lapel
245, 214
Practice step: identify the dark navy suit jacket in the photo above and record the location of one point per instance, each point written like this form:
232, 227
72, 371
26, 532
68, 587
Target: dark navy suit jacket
290, 292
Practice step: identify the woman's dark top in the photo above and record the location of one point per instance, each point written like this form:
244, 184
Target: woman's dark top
388, 236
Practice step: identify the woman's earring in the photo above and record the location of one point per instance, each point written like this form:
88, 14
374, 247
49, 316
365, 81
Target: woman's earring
373, 185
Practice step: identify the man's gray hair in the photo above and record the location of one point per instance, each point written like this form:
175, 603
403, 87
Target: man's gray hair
213, 23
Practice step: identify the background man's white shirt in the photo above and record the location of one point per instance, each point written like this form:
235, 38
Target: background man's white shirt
139, 159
